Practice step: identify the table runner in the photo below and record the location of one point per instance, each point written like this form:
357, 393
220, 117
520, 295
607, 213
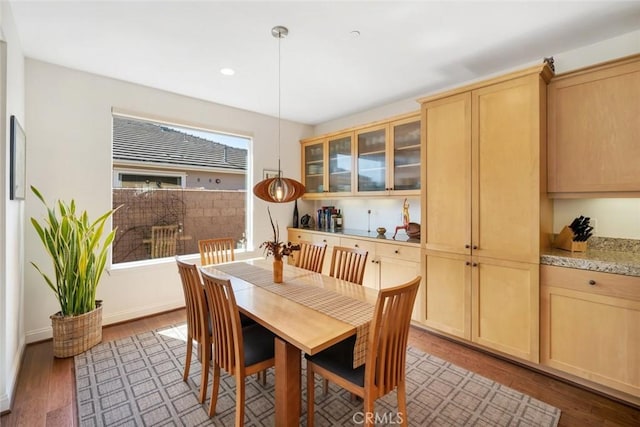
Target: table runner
346, 309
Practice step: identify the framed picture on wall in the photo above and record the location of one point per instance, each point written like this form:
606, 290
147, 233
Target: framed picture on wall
18, 153
269, 173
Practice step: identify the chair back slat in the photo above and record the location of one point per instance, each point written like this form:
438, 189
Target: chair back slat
216, 251
163, 240
197, 314
228, 349
311, 256
388, 336
348, 264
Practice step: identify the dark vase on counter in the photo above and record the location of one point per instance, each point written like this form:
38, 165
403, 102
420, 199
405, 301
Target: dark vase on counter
295, 213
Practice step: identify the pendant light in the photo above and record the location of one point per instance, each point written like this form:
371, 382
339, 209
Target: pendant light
279, 189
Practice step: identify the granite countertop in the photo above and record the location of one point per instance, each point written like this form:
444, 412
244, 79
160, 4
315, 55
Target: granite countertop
351, 232
607, 255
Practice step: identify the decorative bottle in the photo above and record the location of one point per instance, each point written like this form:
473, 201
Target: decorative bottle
295, 213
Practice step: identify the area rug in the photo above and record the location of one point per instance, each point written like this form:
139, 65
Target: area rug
137, 381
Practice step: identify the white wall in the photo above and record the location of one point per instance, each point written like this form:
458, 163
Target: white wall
616, 218
69, 152
11, 212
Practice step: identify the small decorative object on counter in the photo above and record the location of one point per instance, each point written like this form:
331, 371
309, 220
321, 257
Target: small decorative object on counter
405, 218
339, 220
574, 236
381, 231
295, 213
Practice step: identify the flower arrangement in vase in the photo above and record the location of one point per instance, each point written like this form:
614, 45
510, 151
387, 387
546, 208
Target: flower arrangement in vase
277, 249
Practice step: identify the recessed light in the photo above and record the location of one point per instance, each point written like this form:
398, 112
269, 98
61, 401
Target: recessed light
227, 71
354, 34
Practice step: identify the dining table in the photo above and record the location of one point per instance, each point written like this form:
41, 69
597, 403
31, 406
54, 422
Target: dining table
308, 312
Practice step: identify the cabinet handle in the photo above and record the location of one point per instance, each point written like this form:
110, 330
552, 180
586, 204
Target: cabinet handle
396, 251
324, 240
475, 264
467, 263
467, 246
356, 245
475, 247
592, 282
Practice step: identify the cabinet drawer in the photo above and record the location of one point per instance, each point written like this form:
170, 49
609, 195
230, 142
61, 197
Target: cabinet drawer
398, 251
323, 238
606, 284
359, 244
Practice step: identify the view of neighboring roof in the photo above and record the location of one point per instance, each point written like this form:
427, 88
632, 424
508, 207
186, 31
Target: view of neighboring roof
146, 142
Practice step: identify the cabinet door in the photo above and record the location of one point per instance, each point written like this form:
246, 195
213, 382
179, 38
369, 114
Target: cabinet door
506, 143
371, 272
295, 236
313, 168
505, 307
594, 129
447, 184
340, 150
372, 159
448, 293
405, 144
394, 272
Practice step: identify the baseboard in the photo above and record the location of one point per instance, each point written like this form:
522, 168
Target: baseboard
118, 317
7, 399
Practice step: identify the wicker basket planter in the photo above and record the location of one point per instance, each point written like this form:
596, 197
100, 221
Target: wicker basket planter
76, 334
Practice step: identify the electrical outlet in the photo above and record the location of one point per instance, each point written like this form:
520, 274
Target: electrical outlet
594, 223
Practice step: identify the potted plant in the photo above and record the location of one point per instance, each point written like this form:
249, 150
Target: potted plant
278, 249
79, 256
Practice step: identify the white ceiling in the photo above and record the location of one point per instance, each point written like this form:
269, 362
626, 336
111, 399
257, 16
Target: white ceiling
405, 49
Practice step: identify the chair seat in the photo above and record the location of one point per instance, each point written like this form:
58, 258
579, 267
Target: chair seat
258, 344
339, 360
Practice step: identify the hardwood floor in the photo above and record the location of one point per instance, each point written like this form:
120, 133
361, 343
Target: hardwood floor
45, 394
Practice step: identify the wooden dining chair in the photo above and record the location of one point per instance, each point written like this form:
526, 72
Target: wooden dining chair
311, 256
348, 264
239, 351
163, 240
198, 326
216, 251
384, 368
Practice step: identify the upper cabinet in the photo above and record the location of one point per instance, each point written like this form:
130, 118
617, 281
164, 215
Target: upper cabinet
372, 159
378, 159
594, 130
327, 166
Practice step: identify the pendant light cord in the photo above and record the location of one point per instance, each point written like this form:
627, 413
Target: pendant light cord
279, 97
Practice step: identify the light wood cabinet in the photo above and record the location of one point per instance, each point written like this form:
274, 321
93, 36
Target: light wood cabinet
594, 130
484, 209
296, 235
590, 326
327, 166
383, 159
389, 263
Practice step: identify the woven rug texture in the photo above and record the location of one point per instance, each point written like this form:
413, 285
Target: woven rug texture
137, 381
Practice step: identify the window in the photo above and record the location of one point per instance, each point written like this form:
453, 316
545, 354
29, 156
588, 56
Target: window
176, 185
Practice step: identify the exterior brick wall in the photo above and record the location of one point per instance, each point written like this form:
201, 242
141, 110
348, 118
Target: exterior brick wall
201, 214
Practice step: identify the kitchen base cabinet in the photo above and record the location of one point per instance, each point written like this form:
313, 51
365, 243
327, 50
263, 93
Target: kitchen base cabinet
590, 326
370, 278
296, 235
448, 294
505, 307
488, 302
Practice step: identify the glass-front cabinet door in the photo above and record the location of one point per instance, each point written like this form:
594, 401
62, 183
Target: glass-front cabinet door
313, 167
405, 143
372, 159
340, 149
